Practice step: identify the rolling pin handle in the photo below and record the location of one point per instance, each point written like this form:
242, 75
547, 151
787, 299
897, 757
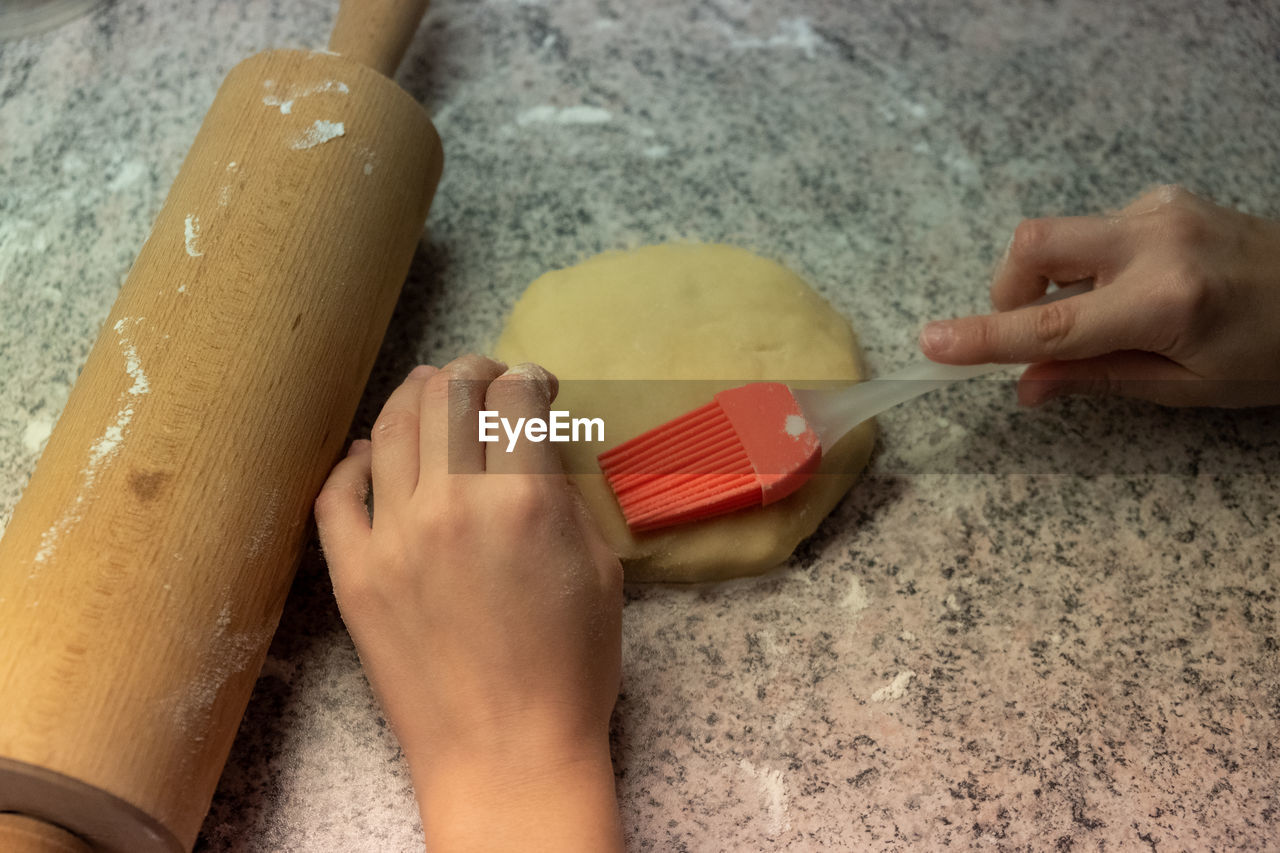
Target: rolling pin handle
376, 33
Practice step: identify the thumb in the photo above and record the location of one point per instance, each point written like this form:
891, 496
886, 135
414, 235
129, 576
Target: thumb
1129, 373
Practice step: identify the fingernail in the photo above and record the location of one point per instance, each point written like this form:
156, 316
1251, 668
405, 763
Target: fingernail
937, 337
1004, 258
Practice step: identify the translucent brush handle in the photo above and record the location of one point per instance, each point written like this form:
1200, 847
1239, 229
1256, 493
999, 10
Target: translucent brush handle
833, 413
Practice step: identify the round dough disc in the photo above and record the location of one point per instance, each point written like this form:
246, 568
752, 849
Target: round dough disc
682, 312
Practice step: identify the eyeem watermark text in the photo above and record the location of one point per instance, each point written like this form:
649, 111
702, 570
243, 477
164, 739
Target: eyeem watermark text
558, 427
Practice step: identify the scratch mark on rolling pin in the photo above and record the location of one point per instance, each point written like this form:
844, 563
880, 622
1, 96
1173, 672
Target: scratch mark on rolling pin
318, 134
107, 445
191, 233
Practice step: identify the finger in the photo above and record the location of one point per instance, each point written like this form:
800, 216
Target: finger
1157, 198
525, 391
451, 401
342, 518
1139, 375
1095, 323
1064, 249
395, 439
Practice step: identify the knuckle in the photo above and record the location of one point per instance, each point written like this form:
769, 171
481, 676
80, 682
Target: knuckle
395, 424
471, 367
1182, 225
1052, 323
1158, 199
1030, 236
396, 569
327, 502
1179, 302
357, 590
510, 389
524, 501
1169, 194
983, 334
439, 390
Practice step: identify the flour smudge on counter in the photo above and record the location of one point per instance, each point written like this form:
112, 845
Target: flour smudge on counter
36, 434
567, 115
895, 689
795, 33
773, 792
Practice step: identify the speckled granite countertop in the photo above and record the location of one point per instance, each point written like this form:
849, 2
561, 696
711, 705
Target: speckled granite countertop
1023, 630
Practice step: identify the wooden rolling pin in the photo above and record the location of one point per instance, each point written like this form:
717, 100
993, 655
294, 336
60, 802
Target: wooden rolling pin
145, 569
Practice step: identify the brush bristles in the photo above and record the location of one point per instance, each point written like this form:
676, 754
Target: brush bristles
688, 468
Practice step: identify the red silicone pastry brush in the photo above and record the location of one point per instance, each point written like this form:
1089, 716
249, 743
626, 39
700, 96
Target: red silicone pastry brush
756, 444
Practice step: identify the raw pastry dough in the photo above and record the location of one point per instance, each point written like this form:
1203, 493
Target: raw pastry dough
686, 312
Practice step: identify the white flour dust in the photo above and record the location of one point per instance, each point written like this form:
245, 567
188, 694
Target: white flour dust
793, 33
319, 133
855, 600
293, 93
565, 115
36, 434
108, 444
895, 689
370, 159
225, 653
191, 233
773, 794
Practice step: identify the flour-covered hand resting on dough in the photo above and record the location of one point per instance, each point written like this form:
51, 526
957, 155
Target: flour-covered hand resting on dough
687, 312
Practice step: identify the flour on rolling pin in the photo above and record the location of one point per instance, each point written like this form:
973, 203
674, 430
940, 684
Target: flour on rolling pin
191, 233
224, 654
319, 133
285, 102
170, 506
107, 446
224, 194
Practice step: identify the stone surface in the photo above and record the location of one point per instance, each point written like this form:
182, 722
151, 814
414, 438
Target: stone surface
1024, 629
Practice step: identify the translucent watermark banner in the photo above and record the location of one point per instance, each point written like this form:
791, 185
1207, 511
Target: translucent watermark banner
975, 426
